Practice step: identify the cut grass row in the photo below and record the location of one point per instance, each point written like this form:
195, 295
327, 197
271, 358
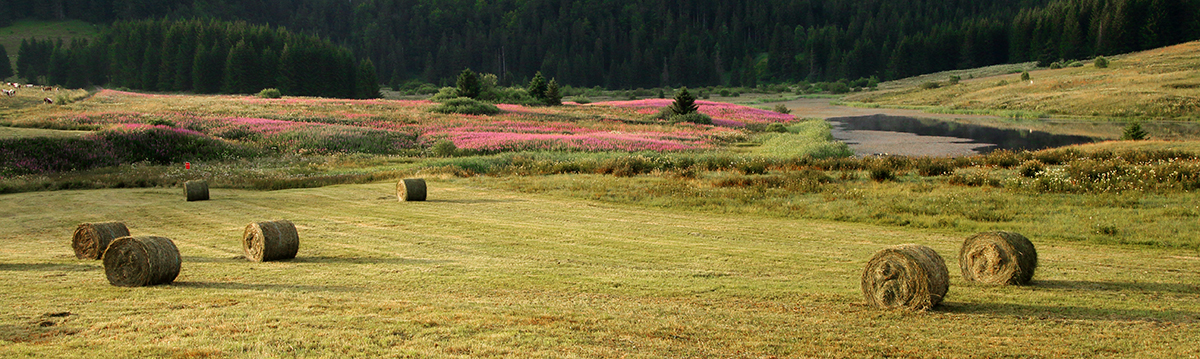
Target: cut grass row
478, 272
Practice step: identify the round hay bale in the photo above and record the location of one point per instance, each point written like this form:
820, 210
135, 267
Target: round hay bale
91, 239
141, 261
905, 276
411, 189
196, 190
997, 258
269, 241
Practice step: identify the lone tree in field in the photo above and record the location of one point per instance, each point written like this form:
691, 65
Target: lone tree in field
1134, 132
537, 87
553, 97
468, 84
684, 103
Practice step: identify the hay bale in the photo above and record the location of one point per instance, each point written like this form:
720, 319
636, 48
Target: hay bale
196, 190
141, 261
91, 239
905, 276
269, 241
997, 258
411, 189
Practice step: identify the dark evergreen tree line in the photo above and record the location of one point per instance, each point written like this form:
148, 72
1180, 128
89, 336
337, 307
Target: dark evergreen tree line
202, 56
647, 43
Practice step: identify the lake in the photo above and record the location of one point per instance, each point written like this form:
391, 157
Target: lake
907, 136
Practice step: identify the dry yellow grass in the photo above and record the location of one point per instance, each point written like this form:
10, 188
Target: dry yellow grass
1156, 84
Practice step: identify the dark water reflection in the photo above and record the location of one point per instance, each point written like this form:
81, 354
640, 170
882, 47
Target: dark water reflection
988, 138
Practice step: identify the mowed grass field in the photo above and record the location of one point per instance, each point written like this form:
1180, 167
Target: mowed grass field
480, 272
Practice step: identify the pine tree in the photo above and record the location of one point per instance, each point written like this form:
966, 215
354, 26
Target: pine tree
468, 84
241, 70
553, 98
537, 87
684, 103
5, 66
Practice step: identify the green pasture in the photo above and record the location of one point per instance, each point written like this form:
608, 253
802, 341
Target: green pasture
478, 271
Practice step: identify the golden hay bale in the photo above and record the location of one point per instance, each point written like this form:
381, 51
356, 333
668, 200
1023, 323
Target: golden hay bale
196, 190
269, 241
905, 276
91, 239
997, 258
141, 261
411, 189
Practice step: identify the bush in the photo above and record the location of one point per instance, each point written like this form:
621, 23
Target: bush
930, 167
837, 88
880, 174
954, 79
444, 148
270, 93
160, 122
776, 127
724, 92
444, 94
1031, 168
930, 85
582, 100
694, 117
1025, 76
1101, 62
780, 108
466, 106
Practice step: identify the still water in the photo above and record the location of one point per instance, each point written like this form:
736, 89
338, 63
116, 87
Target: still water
906, 136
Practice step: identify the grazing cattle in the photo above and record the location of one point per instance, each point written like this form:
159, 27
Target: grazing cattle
48, 101
10, 93
46, 89
28, 85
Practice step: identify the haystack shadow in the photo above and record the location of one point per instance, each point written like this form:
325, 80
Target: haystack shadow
1053, 312
66, 267
265, 287
1084, 285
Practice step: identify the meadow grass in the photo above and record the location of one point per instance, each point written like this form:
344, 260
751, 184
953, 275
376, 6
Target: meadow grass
1156, 84
477, 272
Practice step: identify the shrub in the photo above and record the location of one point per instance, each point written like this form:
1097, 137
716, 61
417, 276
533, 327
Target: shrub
444, 148
781, 108
1025, 76
880, 174
1002, 159
160, 122
466, 106
694, 117
837, 88
724, 92
776, 127
954, 79
582, 100
684, 103
1100, 62
930, 85
270, 93
756, 166
445, 93
1031, 168
930, 167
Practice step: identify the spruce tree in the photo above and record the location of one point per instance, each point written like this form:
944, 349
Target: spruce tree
241, 70
553, 98
684, 103
1134, 132
5, 66
468, 84
537, 87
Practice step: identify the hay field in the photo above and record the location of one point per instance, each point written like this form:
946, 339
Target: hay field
478, 272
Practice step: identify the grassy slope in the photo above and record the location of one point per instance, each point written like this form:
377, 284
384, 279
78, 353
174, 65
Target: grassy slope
1157, 84
11, 36
478, 272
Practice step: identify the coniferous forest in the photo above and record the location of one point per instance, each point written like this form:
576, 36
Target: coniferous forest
201, 56
627, 44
